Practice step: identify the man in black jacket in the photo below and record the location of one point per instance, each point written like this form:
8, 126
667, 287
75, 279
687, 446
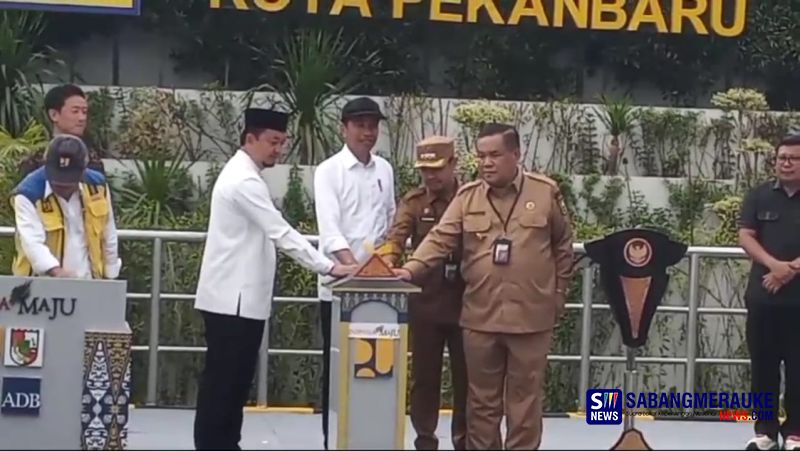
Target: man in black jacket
770, 216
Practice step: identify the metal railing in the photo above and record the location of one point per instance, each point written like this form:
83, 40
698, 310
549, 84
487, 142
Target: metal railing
694, 254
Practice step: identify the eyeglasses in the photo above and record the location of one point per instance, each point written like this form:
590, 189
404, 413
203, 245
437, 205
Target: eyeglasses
793, 159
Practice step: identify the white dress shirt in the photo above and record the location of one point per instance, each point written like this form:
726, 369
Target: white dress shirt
354, 204
76, 251
239, 260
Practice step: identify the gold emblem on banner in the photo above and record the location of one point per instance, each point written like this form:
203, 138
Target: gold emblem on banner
374, 358
638, 252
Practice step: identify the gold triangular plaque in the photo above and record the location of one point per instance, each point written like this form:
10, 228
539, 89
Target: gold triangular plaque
374, 267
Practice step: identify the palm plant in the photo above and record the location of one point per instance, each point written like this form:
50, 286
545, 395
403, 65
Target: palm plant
155, 193
32, 140
312, 75
619, 117
22, 65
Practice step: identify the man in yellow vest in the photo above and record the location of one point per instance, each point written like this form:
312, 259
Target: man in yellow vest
65, 225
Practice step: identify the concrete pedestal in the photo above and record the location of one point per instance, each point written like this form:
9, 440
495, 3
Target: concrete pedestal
65, 370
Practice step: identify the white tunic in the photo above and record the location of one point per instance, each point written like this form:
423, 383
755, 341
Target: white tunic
239, 260
355, 206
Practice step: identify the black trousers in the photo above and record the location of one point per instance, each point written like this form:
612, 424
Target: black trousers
325, 320
233, 343
773, 337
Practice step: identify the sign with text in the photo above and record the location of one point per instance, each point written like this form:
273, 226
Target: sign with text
724, 18
127, 7
21, 302
21, 396
375, 330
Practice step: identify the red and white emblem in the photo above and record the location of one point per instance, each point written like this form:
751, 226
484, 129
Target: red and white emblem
24, 347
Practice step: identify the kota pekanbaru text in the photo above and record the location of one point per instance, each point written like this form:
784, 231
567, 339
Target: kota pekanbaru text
723, 18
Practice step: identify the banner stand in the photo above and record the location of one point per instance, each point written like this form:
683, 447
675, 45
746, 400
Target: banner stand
633, 275
631, 383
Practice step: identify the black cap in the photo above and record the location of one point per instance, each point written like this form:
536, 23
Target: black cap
66, 159
269, 119
361, 107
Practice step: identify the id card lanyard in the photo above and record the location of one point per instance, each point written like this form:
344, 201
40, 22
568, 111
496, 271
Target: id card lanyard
501, 252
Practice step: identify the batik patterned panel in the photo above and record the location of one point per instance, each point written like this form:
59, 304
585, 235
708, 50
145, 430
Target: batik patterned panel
106, 390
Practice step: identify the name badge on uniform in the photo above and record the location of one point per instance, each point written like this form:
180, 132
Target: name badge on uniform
450, 271
427, 216
501, 252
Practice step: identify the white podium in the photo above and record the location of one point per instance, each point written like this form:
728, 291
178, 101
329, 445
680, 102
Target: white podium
369, 359
64, 363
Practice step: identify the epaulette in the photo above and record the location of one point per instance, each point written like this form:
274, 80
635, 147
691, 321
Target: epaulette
541, 178
416, 192
468, 186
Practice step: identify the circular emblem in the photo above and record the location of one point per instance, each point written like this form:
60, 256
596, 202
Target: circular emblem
530, 205
638, 252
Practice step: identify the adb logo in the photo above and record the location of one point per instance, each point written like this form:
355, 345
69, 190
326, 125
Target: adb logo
21, 396
604, 406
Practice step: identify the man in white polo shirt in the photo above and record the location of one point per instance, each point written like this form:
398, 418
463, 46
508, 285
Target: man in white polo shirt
355, 206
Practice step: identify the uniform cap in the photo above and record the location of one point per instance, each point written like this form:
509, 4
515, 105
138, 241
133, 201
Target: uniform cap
66, 159
434, 152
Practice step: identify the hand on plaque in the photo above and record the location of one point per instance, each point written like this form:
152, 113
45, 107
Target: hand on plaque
402, 273
340, 270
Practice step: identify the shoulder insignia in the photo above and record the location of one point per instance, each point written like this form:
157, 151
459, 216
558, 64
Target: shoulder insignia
468, 186
416, 192
541, 178
561, 204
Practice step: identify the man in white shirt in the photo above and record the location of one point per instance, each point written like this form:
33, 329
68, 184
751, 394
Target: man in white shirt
234, 291
355, 205
64, 219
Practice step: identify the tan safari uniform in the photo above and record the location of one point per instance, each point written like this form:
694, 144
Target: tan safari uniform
509, 310
434, 313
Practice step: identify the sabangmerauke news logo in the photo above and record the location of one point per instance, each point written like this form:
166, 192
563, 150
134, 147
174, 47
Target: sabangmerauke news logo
604, 406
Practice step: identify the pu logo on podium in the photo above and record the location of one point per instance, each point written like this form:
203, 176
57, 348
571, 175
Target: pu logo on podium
374, 349
21, 396
24, 347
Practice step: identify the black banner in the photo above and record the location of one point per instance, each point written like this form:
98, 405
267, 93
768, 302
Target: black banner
633, 266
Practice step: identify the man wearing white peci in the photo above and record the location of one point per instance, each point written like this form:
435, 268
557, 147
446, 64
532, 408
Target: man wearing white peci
234, 291
355, 206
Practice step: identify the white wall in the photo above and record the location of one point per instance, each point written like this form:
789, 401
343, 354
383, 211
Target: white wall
411, 119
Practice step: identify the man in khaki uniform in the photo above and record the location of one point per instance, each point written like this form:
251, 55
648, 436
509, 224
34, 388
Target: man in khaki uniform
435, 312
517, 263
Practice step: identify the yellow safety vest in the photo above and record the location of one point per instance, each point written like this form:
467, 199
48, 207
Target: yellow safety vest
95, 216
